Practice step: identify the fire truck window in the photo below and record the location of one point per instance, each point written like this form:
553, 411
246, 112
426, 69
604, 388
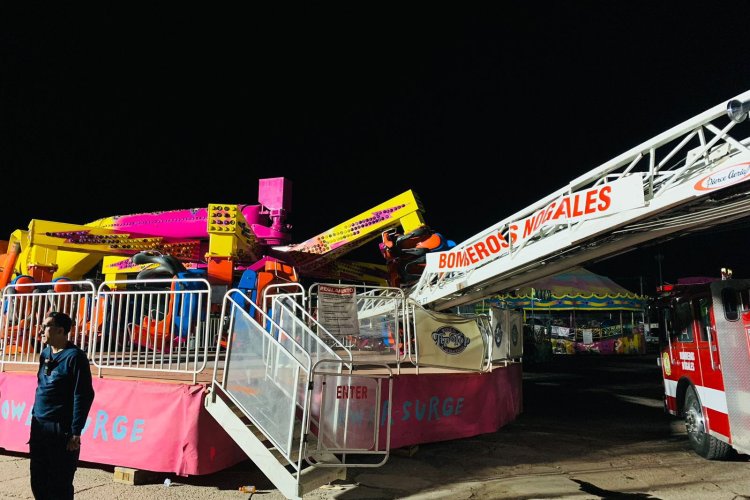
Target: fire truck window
731, 300
668, 322
703, 305
683, 322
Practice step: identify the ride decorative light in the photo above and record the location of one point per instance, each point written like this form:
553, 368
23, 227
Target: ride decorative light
738, 110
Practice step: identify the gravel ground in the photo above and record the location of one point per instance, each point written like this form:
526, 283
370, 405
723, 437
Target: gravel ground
592, 428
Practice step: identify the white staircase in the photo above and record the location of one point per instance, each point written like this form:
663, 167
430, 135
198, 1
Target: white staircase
270, 460
269, 394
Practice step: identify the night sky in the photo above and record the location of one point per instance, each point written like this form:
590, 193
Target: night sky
481, 112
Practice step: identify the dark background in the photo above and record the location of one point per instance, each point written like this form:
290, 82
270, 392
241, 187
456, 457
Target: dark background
481, 111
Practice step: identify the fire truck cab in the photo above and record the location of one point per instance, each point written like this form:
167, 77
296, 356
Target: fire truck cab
705, 362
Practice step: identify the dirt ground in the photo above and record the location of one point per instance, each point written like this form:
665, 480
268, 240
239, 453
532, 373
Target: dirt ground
592, 428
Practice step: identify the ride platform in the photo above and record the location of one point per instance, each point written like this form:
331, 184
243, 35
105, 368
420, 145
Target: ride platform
146, 421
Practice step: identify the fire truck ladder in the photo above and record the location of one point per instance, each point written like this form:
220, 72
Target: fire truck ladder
691, 177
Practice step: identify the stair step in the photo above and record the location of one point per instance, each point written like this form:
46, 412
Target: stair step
315, 455
292, 455
237, 410
313, 478
257, 432
296, 444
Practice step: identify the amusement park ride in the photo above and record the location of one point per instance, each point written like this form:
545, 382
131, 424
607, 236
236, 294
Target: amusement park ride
214, 338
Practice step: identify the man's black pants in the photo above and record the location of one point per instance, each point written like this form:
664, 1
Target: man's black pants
52, 465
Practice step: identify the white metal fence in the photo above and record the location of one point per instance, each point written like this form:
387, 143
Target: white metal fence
171, 325
382, 330
386, 326
24, 307
155, 324
161, 325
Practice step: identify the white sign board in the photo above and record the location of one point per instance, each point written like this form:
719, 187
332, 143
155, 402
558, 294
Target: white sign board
588, 336
337, 310
592, 203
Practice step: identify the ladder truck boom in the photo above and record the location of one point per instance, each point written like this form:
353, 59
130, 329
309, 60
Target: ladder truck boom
688, 178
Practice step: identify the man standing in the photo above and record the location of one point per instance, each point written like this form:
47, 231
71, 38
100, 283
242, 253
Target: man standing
63, 398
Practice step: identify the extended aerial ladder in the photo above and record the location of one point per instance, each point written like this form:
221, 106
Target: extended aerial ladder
688, 178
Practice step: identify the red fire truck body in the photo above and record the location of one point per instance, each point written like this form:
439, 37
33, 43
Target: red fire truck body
705, 361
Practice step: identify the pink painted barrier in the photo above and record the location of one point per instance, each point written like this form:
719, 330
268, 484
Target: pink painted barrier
154, 426
437, 407
164, 427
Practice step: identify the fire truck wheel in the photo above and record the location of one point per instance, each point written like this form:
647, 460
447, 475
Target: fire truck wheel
704, 444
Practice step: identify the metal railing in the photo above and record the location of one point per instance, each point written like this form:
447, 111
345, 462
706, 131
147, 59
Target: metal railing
166, 325
307, 333
382, 331
275, 369
350, 412
262, 377
155, 324
293, 290
24, 307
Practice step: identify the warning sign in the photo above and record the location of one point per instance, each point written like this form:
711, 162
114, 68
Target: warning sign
337, 310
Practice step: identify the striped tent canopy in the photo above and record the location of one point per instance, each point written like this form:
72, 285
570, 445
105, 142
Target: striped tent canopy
576, 288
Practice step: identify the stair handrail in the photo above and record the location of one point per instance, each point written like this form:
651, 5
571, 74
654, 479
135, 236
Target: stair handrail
230, 296
306, 316
282, 289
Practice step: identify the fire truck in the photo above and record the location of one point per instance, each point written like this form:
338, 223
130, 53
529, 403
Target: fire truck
705, 361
